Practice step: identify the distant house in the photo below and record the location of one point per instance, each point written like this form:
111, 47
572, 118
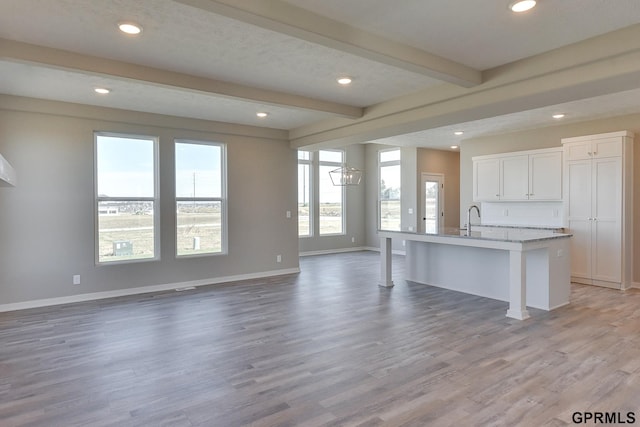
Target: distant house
108, 210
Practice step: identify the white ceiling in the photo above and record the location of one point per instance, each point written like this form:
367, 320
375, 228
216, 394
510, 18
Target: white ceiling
481, 33
233, 64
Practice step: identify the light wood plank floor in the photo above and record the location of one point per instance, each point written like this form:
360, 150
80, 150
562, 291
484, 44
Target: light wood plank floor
326, 347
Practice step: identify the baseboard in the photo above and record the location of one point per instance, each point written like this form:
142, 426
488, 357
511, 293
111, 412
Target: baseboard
393, 251
334, 251
633, 285
141, 290
557, 306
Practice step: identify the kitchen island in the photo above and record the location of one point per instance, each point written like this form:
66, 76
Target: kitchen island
526, 267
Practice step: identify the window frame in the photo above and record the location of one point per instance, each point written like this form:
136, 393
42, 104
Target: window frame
382, 164
335, 165
155, 199
310, 186
224, 250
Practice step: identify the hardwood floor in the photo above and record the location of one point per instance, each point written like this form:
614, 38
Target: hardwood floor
326, 347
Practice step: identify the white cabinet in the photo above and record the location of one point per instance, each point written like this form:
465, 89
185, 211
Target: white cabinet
610, 146
522, 176
486, 179
598, 179
545, 176
514, 178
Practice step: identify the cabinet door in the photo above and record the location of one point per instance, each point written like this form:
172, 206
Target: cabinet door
580, 244
545, 176
577, 150
486, 180
607, 223
578, 211
578, 185
607, 147
514, 178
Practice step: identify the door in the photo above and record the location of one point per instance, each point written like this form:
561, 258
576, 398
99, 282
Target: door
432, 202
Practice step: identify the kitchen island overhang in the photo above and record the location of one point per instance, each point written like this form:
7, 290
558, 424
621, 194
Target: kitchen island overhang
525, 267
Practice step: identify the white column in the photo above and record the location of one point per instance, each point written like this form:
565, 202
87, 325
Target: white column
385, 263
517, 286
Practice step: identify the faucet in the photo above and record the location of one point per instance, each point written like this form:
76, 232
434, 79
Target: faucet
469, 217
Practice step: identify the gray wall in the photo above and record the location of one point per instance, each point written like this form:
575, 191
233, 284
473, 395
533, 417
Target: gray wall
47, 221
354, 211
546, 138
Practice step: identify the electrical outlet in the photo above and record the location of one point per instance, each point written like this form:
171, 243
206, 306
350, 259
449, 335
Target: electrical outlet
409, 228
278, 258
353, 240
76, 279
410, 211
288, 214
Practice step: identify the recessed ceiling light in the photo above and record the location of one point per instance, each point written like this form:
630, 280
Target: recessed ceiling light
345, 80
558, 116
102, 90
459, 132
522, 5
262, 114
130, 28
454, 147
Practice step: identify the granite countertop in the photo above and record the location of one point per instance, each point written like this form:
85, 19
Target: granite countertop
504, 234
524, 227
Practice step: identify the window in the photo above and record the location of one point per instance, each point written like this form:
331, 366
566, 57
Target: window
331, 197
304, 194
389, 194
200, 198
126, 200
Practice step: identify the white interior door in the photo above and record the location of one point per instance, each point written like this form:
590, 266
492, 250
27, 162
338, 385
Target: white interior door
432, 202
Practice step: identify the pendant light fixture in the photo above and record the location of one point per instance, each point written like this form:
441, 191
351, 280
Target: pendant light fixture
345, 175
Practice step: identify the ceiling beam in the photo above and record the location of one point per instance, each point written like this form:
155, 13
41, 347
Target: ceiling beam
281, 17
589, 80
61, 59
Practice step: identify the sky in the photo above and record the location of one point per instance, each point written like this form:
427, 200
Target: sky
125, 168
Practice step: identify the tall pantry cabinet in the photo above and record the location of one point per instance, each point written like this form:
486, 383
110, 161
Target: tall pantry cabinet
598, 179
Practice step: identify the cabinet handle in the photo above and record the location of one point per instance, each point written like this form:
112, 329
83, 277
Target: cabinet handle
595, 153
590, 153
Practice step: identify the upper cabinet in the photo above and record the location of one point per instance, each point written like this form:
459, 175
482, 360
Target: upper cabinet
486, 179
609, 146
545, 176
521, 176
